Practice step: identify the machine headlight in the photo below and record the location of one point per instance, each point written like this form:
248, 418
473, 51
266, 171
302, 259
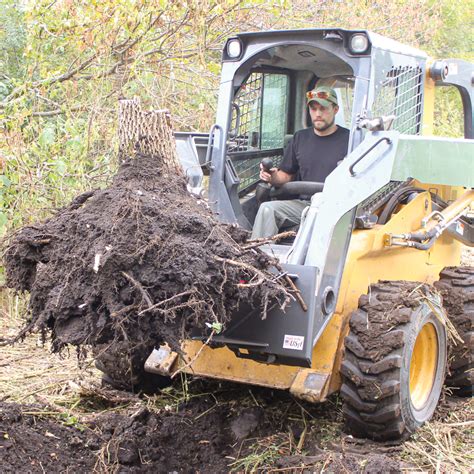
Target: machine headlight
234, 49
359, 43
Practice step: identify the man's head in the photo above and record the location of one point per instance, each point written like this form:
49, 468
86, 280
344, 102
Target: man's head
323, 108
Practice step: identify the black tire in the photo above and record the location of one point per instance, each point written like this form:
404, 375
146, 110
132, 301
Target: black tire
456, 285
123, 368
379, 402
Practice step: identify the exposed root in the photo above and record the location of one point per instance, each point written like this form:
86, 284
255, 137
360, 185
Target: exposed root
265, 240
140, 263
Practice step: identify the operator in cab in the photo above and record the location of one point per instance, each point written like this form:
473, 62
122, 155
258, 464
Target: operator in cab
311, 155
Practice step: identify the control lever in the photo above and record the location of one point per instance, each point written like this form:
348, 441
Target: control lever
262, 191
267, 164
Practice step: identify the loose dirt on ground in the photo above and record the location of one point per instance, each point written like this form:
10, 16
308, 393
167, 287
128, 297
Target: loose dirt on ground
56, 417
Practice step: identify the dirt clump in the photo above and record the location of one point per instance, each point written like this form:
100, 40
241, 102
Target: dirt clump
456, 286
30, 443
138, 263
220, 430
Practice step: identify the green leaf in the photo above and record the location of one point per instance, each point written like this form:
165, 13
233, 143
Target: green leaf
47, 137
74, 144
61, 167
3, 220
4, 181
216, 327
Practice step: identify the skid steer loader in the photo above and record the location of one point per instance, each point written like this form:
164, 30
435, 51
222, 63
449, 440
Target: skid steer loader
386, 230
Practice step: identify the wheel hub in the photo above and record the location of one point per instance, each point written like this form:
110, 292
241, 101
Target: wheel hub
423, 364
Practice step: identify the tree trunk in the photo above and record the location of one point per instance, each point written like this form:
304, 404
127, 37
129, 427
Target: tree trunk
147, 133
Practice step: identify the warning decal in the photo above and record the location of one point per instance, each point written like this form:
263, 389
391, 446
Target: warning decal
293, 342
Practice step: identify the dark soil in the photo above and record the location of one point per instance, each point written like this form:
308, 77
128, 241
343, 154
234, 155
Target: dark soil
136, 264
211, 433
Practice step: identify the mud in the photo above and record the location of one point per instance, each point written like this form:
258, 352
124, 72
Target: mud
138, 263
391, 307
456, 286
457, 289
211, 433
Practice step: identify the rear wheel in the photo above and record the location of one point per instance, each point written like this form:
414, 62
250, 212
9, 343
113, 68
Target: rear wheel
456, 285
394, 362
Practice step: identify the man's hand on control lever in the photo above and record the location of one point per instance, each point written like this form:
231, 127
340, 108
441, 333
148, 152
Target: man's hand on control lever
270, 174
266, 174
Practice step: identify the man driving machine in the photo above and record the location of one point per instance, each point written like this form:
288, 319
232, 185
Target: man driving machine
311, 155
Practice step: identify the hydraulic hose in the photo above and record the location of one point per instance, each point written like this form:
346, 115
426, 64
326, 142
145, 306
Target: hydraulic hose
394, 201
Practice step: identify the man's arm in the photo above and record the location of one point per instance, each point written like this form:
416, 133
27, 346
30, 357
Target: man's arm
275, 176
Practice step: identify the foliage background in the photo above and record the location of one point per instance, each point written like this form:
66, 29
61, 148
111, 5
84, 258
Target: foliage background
64, 64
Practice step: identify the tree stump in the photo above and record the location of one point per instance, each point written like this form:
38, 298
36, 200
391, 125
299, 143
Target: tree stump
147, 133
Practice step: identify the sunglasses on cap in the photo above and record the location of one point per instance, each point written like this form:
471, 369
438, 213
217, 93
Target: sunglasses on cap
317, 95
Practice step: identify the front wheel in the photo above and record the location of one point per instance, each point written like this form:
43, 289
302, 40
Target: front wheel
395, 360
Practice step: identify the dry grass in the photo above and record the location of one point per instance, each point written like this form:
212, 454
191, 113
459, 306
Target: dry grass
29, 369
467, 256
445, 446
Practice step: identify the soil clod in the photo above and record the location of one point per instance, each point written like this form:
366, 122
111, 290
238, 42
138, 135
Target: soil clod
136, 264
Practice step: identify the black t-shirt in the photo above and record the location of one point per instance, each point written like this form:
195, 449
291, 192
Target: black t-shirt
311, 157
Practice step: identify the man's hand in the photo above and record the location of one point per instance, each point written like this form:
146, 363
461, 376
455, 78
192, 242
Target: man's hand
267, 175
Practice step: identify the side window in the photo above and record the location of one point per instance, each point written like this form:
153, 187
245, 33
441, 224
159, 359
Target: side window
259, 113
448, 119
274, 110
345, 96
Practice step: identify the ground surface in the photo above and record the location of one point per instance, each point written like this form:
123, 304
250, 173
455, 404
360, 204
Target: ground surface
55, 417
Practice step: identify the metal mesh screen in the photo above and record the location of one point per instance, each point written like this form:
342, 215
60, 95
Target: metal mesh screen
400, 95
246, 113
248, 170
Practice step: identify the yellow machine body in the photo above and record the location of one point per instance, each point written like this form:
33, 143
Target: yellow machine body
368, 260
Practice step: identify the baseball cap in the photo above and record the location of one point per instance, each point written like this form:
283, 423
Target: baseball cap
323, 95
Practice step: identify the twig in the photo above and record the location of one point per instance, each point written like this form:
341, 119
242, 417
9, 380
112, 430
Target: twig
293, 287
29, 328
19, 91
297, 292
461, 423
191, 362
42, 241
139, 287
161, 303
17, 359
247, 267
264, 240
42, 389
51, 405
112, 396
